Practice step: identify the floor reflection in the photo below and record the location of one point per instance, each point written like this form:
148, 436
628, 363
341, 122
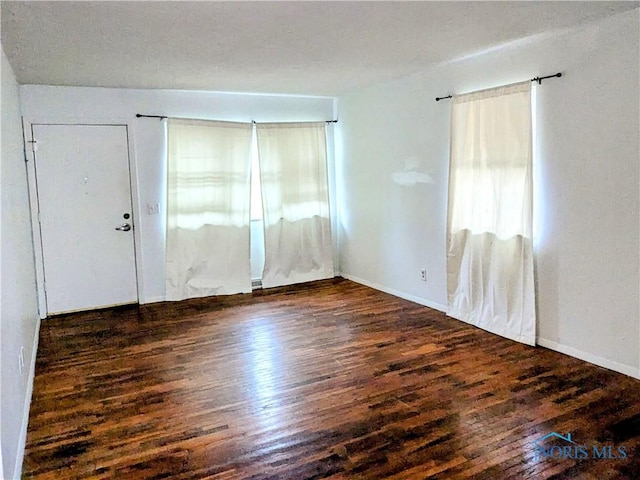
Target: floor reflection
266, 369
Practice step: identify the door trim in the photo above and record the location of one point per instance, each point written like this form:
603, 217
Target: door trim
27, 124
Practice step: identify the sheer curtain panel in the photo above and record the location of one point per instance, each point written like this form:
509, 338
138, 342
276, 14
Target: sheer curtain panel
293, 171
490, 255
208, 191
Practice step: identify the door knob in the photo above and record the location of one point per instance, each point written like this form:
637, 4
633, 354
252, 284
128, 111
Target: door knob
125, 227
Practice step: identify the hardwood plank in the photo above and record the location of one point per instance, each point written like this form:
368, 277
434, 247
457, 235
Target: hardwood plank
323, 380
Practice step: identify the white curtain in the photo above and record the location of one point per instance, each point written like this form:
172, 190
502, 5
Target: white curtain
490, 260
293, 171
208, 173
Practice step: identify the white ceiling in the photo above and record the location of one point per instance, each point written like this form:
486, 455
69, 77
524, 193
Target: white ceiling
314, 48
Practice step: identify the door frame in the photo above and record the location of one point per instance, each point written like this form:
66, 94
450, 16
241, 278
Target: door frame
27, 123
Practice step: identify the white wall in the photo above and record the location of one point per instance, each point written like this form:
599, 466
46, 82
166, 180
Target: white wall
19, 307
587, 183
120, 105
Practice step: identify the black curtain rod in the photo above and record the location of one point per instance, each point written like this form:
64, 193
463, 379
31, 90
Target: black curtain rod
139, 115
535, 79
539, 79
162, 117
310, 121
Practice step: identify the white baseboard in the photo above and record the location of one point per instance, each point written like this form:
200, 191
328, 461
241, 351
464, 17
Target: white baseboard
152, 300
395, 293
543, 342
589, 357
22, 440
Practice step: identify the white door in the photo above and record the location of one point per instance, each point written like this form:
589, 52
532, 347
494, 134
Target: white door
86, 220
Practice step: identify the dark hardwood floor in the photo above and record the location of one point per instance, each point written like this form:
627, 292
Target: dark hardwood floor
324, 380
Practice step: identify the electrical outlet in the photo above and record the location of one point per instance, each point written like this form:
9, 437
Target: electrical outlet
423, 274
21, 360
